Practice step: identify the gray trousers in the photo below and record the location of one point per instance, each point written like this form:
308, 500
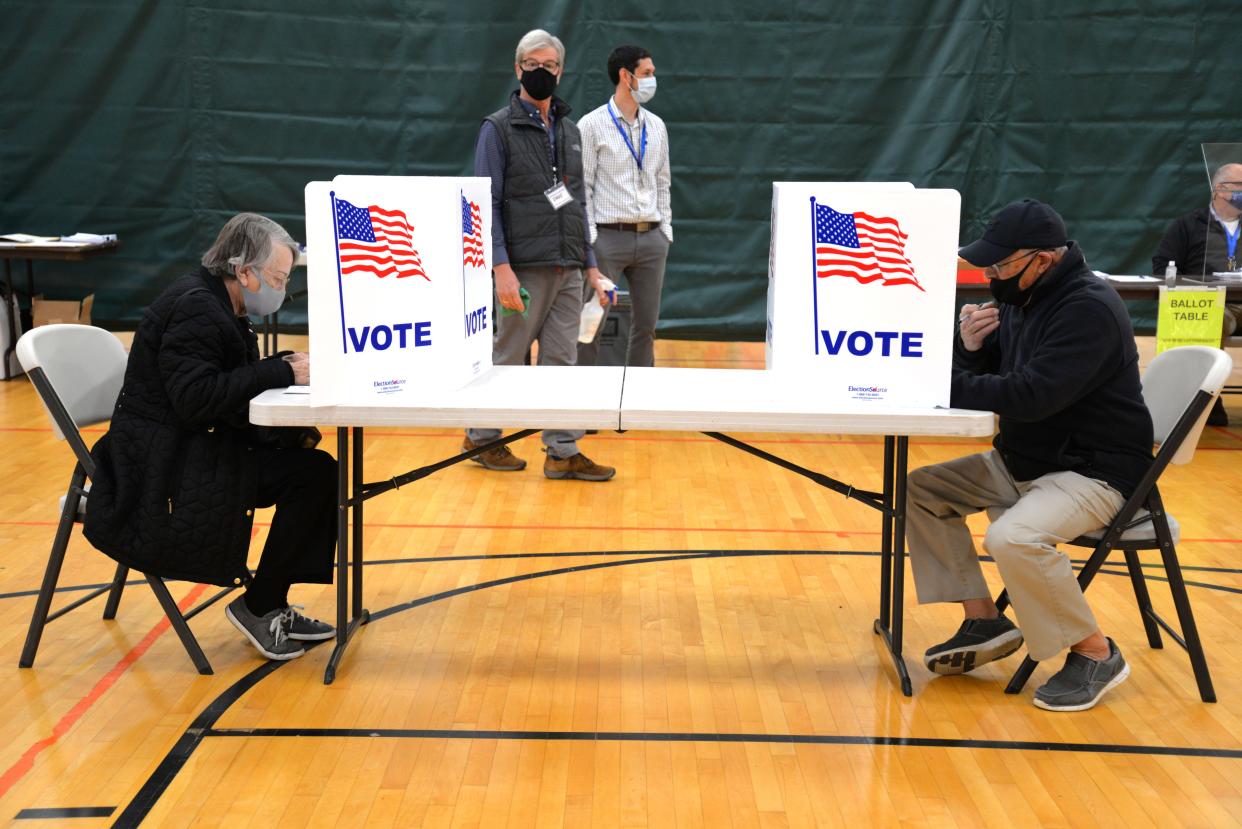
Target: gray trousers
552, 314
1055, 508
638, 259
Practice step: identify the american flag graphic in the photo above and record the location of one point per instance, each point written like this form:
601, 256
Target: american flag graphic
376, 241
862, 247
471, 234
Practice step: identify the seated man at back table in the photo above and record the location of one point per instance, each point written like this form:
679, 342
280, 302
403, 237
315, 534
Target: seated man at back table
1056, 359
1205, 241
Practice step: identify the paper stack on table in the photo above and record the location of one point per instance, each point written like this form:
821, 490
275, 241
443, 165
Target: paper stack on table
89, 238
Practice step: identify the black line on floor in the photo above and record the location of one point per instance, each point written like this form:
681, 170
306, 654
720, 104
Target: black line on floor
503, 556
691, 737
62, 812
203, 725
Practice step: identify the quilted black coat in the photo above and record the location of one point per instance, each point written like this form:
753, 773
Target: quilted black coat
174, 488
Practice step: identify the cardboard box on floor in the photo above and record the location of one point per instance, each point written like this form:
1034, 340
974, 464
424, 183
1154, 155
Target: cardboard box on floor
48, 311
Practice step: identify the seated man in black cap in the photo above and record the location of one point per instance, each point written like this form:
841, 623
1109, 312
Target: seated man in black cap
1055, 358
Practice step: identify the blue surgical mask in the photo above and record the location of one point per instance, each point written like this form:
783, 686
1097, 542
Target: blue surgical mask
266, 301
1235, 199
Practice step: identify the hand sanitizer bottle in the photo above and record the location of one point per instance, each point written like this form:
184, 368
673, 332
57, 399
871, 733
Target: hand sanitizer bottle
1170, 274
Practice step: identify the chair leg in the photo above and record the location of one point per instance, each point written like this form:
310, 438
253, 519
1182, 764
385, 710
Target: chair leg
178, 623
1018, 681
51, 575
1143, 598
114, 595
1002, 601
1186, 618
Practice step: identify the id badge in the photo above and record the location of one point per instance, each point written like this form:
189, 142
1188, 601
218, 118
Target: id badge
558, 195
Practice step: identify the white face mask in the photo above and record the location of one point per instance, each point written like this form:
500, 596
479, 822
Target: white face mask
267, 300
645, 90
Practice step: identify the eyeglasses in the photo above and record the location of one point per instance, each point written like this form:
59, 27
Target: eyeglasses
279, 281
530, 65
993, 271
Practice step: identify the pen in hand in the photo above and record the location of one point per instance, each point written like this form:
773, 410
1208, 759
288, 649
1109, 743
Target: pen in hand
966, 314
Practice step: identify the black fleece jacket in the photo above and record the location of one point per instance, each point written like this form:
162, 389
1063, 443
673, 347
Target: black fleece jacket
1062, 373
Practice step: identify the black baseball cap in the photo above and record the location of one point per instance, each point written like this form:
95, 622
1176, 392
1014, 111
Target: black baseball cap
1021, 224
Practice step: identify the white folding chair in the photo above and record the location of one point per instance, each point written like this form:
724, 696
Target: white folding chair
1179, 388
78, 371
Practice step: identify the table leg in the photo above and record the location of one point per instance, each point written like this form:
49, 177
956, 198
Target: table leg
899, 547
342, 553
893, 557
360, 614
11, 315
886, 536
349, 501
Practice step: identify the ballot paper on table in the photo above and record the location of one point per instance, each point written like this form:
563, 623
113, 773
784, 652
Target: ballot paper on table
400, 288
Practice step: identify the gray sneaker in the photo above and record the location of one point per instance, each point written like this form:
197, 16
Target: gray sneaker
1082, 681
977, 642
269, 633
306, 629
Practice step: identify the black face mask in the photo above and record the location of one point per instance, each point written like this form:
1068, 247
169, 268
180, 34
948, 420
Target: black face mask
538, 83
1008, 290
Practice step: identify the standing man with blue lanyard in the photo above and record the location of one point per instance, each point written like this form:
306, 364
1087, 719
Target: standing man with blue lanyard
541, 253
1205, 241
629, 211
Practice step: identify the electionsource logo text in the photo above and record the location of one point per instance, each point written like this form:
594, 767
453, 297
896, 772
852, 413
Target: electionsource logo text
867, 392
387, 386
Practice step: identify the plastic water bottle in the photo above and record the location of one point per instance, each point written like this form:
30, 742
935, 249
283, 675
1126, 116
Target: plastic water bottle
1170, 274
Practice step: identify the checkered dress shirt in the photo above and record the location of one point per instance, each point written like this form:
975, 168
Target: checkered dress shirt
616, 190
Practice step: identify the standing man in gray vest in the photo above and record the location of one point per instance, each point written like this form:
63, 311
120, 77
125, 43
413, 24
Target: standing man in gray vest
532, 152
629, 209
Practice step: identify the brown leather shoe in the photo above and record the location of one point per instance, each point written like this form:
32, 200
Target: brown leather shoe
499, 459
576, 466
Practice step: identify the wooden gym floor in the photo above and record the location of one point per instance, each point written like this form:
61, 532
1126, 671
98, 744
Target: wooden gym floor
687, 645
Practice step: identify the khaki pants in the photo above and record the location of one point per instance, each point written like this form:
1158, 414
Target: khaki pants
1050, 607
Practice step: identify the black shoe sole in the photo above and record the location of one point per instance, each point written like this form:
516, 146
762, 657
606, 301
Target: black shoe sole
966, 659
576, 476
487, 465
312, 637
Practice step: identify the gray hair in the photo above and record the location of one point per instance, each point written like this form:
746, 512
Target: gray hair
246, 240
1219, 175
539, 39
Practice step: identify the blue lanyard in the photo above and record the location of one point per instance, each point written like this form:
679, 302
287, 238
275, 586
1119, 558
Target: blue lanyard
1231, 240
625, 136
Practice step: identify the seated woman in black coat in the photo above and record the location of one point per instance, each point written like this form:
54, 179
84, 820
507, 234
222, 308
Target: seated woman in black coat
181, 470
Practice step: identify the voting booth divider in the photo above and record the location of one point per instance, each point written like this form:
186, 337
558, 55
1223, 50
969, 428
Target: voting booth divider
861, 285
400, 286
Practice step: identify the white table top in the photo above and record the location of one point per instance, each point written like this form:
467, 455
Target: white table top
588, 397
712, 400
507, 397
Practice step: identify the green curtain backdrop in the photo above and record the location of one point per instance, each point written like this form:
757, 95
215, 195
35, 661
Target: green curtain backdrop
158, 120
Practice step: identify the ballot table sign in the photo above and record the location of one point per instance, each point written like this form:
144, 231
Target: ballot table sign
1189, 316
400, 287
861, 288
